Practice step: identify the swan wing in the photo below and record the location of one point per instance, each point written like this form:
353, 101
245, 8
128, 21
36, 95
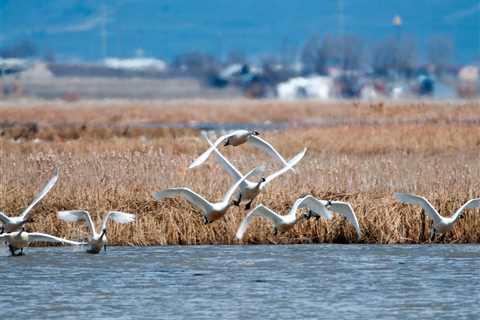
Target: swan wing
204, 156
76, 215
226, 165
43, 237
234, 187
421, 201
117, 216
290, 164
470, 204
192, 197
263, 145
312, 203
260, 211
39, 196
346, 210
4, 218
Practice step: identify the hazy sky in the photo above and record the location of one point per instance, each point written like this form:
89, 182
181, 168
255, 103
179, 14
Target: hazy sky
164, 28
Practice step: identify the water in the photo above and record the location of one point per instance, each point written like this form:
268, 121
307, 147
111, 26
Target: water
244, 282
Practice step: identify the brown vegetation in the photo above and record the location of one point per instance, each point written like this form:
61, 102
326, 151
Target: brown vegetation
360, 164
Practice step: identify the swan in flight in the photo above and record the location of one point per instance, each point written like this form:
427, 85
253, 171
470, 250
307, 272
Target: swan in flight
249, 190
283, 223
96, 240
440, 224
18, 240
211, 211
237, 138
343, 208
11, 224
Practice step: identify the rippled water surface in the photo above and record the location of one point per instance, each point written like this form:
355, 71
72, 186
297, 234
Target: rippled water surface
243, 282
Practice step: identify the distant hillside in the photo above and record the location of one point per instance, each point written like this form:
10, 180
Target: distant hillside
88, 30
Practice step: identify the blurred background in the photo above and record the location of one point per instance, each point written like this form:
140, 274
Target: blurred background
336, 49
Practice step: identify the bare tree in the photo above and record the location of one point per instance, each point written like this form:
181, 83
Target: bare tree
398, 55
345, 52
440, 53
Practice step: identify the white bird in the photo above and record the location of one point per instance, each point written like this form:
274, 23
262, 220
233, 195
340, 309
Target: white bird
21, 239
211, 211
96, 240
283, 223
440, 224
249, 190
237, 138
343, 208
11, 224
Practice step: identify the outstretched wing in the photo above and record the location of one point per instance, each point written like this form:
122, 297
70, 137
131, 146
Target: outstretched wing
43, 237
470, 204
117, 216
421, 201
311, 203
204, 156
232, 189
290, 164
346, 210
76, 215
39, 196
4, 218
227, 166
263, 145
187, 194
259, 211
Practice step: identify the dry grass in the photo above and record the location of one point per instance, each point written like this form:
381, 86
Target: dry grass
362, 165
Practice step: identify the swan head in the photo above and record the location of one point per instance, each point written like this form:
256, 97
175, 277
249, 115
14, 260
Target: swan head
255, 132
308, 215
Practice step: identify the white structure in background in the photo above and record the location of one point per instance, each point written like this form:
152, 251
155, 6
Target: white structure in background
38, 71
312, 87
136, 64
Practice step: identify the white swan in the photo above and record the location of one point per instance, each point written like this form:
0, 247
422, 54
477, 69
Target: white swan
343, 208
96, 240
249, 190
440, 224
21, 239
237, 138
283, 223
11, 224
211, 211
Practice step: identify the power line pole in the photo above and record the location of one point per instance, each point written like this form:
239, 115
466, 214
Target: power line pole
103, 33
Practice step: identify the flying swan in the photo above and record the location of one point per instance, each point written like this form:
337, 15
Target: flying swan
237, 138
249, 190
211, 211
343, 208
21, 239
11, 224
283, 223
440, 224
96, 240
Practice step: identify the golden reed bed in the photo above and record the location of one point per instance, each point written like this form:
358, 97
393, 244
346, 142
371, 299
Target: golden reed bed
360, 164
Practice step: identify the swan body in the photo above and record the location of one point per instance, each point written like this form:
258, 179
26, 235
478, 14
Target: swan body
249, 190
212, 211
237, 138
343, 208
286, 222
18, 240
440, 224
11, 224
97, 240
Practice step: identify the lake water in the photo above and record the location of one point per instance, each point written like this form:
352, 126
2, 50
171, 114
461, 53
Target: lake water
243, 282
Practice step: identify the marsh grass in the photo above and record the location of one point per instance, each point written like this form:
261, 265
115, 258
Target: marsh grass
362, 165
